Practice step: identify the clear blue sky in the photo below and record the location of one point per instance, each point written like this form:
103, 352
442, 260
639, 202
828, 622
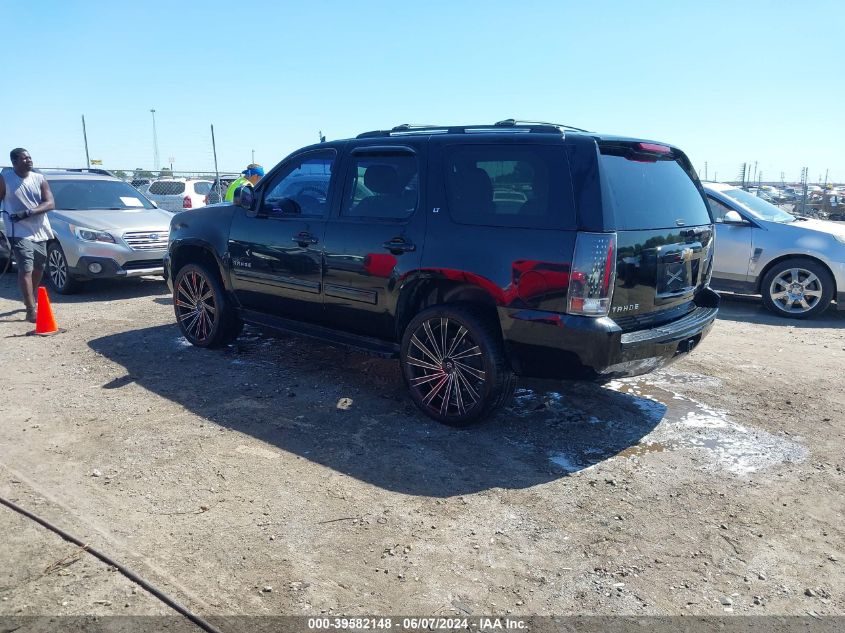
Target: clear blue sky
728, 82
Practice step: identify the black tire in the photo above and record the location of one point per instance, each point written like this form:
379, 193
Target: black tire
58, 275
468, 382
797, 288
203, 310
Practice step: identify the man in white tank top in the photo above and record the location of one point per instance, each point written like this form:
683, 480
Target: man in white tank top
26, 200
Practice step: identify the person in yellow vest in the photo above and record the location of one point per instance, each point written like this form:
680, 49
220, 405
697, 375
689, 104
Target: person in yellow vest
249, 176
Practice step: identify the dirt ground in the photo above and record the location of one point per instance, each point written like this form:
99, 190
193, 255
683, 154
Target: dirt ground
233, 481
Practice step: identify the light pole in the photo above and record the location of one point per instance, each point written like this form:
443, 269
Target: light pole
155, 140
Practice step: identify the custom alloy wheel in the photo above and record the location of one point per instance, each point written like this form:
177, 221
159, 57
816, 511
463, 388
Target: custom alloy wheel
202, 308
196, 307
57, 271
797, 288
454, 366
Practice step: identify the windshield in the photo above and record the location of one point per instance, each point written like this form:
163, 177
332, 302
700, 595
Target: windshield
97, 194
651, 193
757, 207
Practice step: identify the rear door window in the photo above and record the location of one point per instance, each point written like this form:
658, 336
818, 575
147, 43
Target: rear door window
381, 185
202, 188
509, 185
167, 188
649, 192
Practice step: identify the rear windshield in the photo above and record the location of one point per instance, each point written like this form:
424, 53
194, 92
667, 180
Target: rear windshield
167, 188
97, 194
651, 194
202, 188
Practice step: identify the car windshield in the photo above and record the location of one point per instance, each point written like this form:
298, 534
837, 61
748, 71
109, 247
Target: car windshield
97, 194
757, 207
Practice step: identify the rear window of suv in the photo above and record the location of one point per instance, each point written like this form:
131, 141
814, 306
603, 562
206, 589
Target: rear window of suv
651, 193
202, 188
509, 185
167, 188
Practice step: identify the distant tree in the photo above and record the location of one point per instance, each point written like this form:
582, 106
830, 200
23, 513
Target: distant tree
144, 173
120, 174
165, 173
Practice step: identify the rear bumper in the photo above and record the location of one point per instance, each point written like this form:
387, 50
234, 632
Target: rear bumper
551, 345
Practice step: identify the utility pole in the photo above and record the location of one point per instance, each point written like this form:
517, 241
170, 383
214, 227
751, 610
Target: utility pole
155, 140
804, 175
85, 137
705, 170
825, 176
253, 158
216, 171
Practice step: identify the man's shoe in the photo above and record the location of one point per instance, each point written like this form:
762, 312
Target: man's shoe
30, 315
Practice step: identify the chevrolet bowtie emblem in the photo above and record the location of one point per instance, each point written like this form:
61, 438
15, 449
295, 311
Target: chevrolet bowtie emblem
673, 277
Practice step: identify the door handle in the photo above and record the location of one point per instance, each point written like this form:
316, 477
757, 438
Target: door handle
397, 246
304, 239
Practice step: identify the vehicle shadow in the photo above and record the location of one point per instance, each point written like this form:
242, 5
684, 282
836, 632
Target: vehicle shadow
750, 309
287, 392
96, 290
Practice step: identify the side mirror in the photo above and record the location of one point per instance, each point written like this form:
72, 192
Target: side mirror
244, 197
732, 217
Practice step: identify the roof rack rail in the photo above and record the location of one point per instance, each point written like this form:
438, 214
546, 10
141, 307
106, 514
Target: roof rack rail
91, 170
513, 122
508, 125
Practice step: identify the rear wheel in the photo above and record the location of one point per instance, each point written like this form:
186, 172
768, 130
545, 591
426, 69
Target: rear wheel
454, 364
203, 311
797, 288
58, 275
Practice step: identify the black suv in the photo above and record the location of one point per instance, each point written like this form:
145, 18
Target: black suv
474, 254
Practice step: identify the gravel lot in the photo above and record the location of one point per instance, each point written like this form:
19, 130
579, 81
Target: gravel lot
232, 480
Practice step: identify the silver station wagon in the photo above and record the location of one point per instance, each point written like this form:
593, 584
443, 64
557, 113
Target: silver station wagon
104, 228
797, 264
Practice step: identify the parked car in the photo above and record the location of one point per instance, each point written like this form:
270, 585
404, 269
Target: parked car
177, 194
142, 184
797, 264
104, 228
392, 242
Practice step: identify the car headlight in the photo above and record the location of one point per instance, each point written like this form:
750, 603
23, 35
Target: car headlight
91, 235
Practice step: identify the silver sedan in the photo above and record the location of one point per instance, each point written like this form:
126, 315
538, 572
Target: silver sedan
797, 264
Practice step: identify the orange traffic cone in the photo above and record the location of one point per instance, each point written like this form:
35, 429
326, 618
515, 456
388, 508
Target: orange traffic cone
45, 322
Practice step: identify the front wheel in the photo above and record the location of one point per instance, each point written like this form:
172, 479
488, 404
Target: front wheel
454, 364
58, 275
797, 288
203, 311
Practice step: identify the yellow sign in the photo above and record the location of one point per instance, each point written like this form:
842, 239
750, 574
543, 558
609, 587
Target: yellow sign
96, 162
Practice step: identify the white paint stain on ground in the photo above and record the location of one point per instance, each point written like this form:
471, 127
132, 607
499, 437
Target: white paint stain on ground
181, 341
680, 423
689, 424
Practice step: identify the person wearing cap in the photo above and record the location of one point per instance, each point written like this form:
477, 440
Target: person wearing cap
249, 176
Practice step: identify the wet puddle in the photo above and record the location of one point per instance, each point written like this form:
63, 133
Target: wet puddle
654, 418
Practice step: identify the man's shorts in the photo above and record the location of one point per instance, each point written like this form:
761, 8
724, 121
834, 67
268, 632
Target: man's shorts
28, 254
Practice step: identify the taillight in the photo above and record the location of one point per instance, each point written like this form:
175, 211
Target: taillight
592, 275
186, 203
